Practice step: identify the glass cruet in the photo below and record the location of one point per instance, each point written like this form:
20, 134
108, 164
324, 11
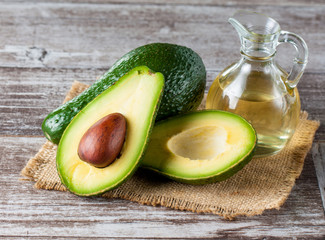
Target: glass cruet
256, 87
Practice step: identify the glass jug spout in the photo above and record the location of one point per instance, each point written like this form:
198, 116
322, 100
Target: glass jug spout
258, 33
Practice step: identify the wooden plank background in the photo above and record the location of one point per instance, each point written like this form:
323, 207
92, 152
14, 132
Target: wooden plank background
45, 46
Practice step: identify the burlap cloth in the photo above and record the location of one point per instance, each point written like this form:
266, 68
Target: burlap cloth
265, 183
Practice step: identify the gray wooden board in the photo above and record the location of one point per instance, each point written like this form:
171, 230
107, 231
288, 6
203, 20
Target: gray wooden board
35, 92
319, 162
186, 2
74, 35
25, 211
45, 46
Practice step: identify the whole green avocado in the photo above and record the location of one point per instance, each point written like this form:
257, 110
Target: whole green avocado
185, 80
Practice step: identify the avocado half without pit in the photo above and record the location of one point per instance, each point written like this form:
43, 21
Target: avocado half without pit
200, 147
129, 105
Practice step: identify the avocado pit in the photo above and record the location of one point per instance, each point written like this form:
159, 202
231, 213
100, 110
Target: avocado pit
103, 141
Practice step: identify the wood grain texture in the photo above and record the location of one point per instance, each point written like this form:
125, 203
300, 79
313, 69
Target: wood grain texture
45, 46
88, 35
319, 162
187, 2
26, 212
29, 94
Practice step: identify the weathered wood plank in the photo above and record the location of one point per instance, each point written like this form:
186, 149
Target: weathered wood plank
44, 46
319, 162
29, 94
187, 2
27, 212
96, 35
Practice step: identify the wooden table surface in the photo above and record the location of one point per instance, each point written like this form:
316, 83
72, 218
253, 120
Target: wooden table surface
45, 46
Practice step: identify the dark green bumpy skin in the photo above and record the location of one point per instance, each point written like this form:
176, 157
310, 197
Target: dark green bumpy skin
185, 80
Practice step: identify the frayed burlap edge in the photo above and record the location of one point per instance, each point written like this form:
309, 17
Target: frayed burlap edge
41, 170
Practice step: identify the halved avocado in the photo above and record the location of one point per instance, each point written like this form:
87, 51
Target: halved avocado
200, 147
136, 96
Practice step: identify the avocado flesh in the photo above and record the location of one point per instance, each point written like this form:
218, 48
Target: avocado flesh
200, 147
136, 95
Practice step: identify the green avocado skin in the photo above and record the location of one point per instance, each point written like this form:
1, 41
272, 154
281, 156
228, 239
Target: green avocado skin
185, 80
217, 178
64, 144
198, 180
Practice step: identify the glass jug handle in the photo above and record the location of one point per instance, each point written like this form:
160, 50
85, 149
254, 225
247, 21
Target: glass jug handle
300, 61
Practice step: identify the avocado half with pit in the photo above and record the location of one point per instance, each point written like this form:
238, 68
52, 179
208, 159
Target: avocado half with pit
136, 97
200, 147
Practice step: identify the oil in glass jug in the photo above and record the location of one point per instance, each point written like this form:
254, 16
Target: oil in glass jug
256, 87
